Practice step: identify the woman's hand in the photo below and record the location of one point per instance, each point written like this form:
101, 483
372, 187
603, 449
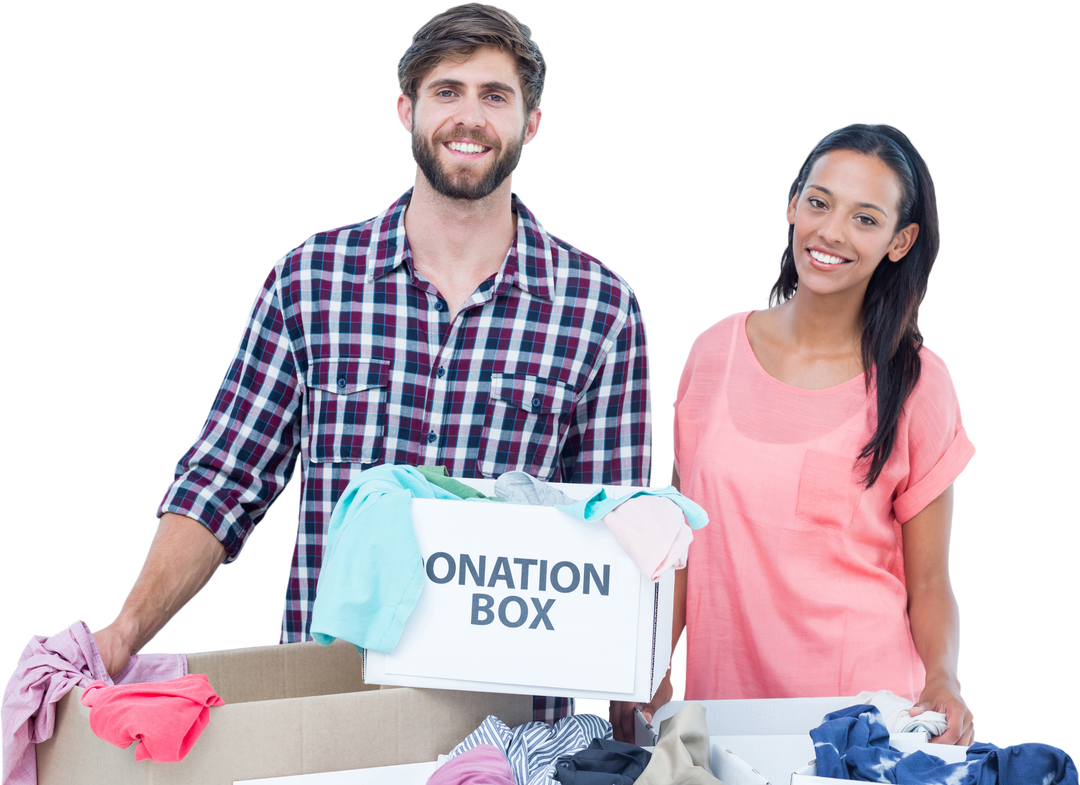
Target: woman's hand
621, 713
943, 694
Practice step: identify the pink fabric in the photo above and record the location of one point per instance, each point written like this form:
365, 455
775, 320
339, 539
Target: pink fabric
797, 589
167, 717
482, 765
49, 669
653, 532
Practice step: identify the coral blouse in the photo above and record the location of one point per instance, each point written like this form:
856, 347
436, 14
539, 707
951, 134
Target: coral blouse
796, 588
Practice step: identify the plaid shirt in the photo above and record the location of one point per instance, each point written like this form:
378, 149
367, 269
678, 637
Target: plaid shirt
350, 359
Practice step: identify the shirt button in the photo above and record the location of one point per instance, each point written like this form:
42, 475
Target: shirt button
431, 436
439, 305
441, 372
536, 403
341, 383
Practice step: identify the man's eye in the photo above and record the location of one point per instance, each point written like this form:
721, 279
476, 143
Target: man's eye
445, 93
496, 98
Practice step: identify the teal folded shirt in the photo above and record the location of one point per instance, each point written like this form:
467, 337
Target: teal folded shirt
373, 572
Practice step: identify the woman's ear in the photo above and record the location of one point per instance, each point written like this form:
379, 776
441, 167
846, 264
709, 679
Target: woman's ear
903, 241
791, 208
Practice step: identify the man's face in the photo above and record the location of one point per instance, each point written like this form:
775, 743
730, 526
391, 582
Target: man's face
468, 124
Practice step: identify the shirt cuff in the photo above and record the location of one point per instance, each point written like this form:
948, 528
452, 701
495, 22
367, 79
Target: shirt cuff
914, 500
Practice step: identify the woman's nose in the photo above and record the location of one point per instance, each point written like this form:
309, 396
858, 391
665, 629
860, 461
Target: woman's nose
832, 230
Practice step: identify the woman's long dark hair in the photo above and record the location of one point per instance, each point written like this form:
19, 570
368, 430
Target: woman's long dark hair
890, 337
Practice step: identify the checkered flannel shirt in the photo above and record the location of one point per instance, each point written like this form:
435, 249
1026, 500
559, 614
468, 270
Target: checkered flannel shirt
350, 360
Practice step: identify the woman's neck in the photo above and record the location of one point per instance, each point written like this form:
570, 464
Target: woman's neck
830, 325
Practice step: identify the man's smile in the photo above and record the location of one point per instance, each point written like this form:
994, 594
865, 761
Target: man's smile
466, 147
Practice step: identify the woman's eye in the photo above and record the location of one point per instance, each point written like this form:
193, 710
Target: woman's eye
866, 220
815, 202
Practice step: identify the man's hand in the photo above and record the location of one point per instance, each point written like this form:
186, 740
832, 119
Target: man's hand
621, 713
182, 557
115, 651
943, 695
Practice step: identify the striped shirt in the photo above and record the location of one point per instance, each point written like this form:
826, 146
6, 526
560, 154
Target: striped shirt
350, 359
533, 749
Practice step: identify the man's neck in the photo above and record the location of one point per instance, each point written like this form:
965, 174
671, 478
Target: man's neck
457, 244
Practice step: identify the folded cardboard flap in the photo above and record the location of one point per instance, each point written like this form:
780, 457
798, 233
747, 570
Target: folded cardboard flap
750, 717
305, 727
298, 670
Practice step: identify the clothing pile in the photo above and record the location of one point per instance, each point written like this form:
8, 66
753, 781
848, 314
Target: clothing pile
853, 744
153, 701
579, 750
373, 572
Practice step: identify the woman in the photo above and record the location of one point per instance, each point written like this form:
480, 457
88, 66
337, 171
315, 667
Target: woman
823, 439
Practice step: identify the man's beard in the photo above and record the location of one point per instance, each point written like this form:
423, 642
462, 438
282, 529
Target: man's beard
457, 185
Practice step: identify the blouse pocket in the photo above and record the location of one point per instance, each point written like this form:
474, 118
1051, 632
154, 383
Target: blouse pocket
829, 490
522, 428
347, 409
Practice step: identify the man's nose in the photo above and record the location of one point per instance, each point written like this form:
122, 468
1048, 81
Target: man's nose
470, 113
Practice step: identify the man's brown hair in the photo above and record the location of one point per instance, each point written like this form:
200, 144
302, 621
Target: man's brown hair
461, 31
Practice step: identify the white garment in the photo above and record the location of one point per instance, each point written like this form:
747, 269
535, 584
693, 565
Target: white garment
895, 714
653, 532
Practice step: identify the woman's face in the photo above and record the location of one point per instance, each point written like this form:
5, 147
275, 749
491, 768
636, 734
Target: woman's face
845, 223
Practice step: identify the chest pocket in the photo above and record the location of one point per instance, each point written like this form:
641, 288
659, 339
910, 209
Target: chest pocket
347, 410
524, 425
829, 490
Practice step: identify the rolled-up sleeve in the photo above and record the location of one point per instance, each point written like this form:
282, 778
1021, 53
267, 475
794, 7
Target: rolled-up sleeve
610, 442
938, 447
247, 449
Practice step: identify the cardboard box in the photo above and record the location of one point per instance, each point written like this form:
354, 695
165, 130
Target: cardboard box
767, 742
536, 602
290, 709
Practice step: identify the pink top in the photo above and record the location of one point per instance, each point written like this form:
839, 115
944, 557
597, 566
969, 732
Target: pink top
796, 589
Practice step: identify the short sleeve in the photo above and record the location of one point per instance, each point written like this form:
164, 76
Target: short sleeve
684, 383
937, 445
700, 379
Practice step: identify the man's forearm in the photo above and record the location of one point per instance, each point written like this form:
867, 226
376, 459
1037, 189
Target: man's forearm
182, 557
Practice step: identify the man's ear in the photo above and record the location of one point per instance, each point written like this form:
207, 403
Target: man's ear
532, 126
404, 111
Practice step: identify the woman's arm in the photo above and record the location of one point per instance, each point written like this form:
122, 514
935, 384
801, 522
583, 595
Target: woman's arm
935, 620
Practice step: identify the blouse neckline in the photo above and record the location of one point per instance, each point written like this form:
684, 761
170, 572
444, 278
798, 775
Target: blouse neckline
745, 340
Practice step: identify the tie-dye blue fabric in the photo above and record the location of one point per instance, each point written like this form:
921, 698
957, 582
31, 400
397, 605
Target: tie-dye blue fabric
853, 744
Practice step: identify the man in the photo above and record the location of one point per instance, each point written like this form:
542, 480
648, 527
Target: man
449, 330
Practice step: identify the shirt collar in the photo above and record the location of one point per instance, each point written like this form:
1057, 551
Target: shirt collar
529, 264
